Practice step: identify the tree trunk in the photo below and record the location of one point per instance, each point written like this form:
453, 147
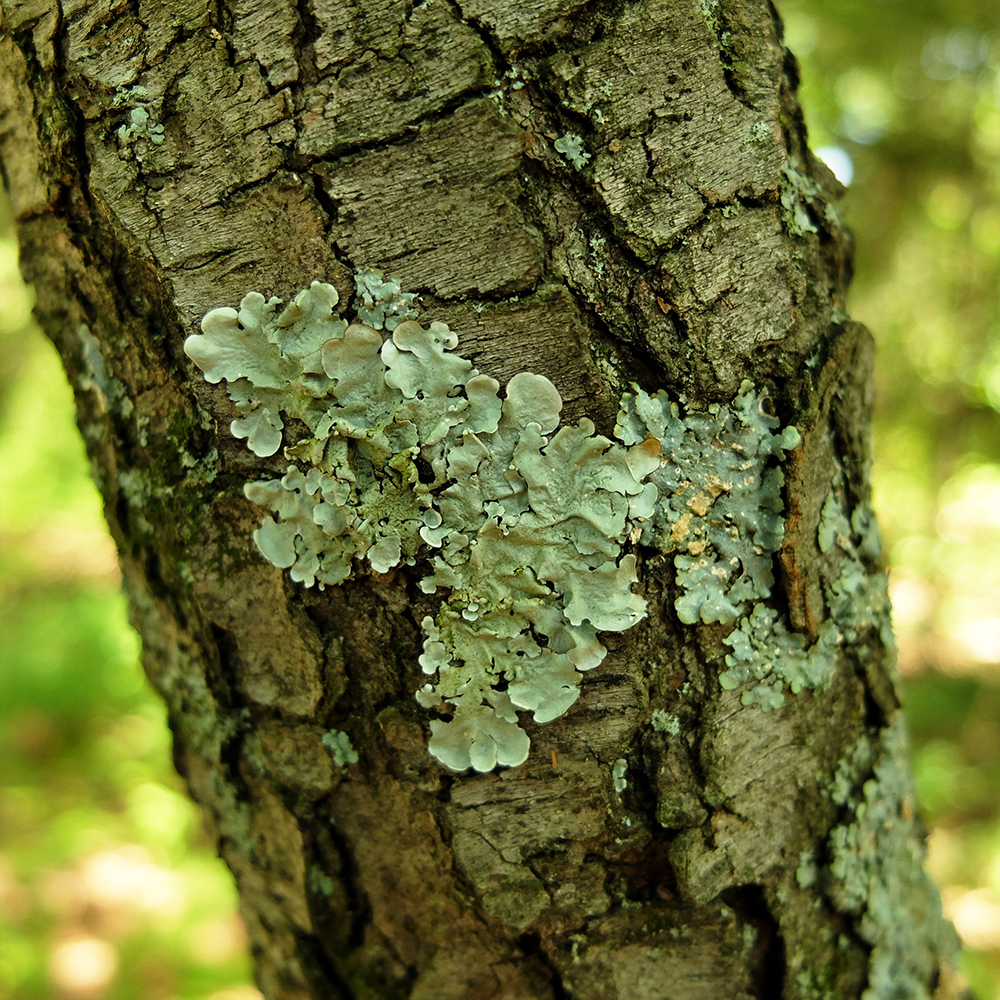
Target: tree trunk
614, 195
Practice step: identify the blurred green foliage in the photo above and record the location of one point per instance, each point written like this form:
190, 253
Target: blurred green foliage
108, 885
908, 95
104, 870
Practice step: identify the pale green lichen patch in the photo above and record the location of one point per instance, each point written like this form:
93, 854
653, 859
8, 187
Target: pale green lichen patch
664, 722
410, 454
807, 872
857, 761
570, 146
271, 362
319, 881
833, 523
770, 657
720, 506
140, 126
859, 598
415, 455
341, 749
767, 655
381, 302
876, 876
618, 771
798, 193
859, 602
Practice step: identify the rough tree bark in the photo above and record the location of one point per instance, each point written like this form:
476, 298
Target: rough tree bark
666, 837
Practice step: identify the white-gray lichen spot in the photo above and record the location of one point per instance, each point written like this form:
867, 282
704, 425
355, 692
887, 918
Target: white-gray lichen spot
664, 722
719, 481
807, 872
767, 654
858, 599
618, 770
770, 656
833, 523
798, 194
109, 391
135, 487
340, 747
140, 126
381, 302
570, 146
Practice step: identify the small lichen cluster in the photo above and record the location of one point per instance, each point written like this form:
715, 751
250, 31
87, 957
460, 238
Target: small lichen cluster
140, 126
720, 489
618, 771
664, 722
802, 200
570, 146
766, 653
858, 599
381, 302
876, 875
403, 452
769, 656
341, 749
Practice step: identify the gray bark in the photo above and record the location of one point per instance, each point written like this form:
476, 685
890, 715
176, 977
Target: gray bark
753, 853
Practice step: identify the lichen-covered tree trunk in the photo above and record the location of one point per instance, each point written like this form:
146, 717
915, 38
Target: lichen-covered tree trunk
616, 196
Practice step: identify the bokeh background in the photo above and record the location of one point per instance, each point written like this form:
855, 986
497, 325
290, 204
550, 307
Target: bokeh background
109, 888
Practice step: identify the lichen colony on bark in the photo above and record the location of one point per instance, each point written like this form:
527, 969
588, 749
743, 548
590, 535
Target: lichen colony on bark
617, 198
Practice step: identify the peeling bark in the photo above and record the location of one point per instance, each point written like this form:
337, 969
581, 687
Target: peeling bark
700, 246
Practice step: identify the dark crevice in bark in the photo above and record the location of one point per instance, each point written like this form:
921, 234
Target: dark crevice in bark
588, 23
769, 966
500, 63
224, 23
324, 979
230, 194
640, 359
531, 945
220, 669
153, 575
220, 17
649, 875
307, 31
876, 716
358, 907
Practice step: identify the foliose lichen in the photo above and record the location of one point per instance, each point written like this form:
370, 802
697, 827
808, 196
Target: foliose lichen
858, 599
618, 771
140, 126
412, 453
319, 881
766, 653
876, 876
664, 722
570, 146
798, 194
720, 507
381, 302
341, 749
833, 523
409, 454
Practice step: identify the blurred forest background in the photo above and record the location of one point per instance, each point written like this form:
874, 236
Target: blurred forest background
108, 887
